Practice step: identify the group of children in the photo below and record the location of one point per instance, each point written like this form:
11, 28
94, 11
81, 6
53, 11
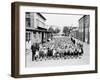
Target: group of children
57, 51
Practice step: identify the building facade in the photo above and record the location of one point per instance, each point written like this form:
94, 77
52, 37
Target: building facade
75, 33
36, 31
84, 26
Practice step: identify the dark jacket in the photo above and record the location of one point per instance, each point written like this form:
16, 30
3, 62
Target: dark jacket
33, 48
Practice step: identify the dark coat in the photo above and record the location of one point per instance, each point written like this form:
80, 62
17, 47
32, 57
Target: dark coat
33, 48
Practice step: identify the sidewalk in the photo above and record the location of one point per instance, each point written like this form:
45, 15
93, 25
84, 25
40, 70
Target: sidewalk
86, 49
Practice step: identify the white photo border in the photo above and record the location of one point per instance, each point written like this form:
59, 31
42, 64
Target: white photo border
24, 70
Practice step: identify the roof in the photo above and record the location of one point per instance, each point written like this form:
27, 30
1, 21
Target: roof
36, 30
41, 16
40, 28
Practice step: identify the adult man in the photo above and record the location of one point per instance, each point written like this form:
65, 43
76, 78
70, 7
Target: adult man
33, 48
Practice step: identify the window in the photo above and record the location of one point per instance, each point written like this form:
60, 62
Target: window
28, 19
28, 36
28, 22
34, 34
27, 14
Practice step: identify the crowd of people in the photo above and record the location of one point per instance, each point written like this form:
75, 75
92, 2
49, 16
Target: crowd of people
57, 48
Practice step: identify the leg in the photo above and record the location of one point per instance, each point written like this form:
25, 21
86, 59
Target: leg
33, 55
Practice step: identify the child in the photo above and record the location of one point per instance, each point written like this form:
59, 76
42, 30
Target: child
54, 53
37, 55
45, 52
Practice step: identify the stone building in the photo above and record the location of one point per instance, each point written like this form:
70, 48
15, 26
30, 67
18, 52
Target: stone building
36, 30
84, 25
